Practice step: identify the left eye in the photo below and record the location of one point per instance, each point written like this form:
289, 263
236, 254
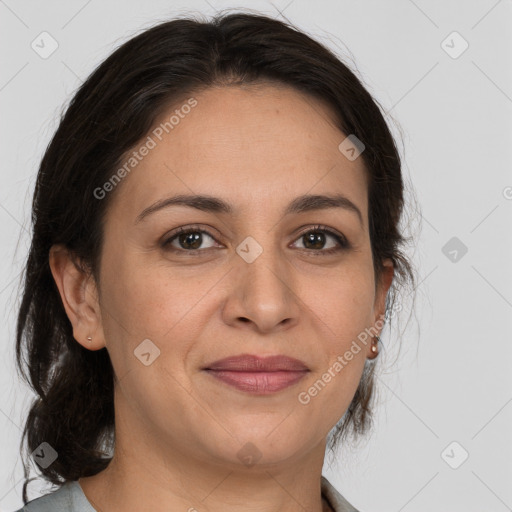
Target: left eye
190, 240
317, 236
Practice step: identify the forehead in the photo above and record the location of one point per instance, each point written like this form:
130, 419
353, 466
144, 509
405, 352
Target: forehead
254, 146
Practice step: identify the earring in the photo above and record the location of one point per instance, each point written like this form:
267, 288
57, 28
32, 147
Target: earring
375, 348
89, 339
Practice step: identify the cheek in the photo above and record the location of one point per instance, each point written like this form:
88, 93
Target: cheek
323, 401
146, 300
345, 310
344, 302
151, 302
328, 393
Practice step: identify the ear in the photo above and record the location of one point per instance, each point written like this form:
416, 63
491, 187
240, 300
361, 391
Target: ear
381, 292
79, 296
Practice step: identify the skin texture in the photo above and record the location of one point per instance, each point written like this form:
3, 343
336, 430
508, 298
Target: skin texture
178, 429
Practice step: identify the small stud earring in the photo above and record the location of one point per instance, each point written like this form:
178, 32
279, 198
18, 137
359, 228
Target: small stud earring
89, 339
375, 348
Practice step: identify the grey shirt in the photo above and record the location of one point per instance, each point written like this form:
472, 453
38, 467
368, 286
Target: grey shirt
70, 498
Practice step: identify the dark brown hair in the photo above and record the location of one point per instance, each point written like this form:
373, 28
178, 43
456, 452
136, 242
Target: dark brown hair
109, 114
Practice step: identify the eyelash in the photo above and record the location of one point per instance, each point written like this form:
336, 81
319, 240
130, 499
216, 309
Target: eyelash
342, 241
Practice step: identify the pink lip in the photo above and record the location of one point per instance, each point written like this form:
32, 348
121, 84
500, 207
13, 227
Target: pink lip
259, 375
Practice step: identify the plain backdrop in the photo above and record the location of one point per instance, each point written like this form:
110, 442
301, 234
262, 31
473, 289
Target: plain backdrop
442, 72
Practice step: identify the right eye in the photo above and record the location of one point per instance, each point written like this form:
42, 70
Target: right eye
189, 240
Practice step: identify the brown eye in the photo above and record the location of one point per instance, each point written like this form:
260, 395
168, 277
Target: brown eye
187, 240
315, 239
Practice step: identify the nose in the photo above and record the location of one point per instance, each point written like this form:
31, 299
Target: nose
263, 294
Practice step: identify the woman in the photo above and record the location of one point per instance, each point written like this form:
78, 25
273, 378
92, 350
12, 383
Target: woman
214, 247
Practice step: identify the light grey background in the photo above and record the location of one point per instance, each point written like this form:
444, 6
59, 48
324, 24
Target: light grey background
453, 381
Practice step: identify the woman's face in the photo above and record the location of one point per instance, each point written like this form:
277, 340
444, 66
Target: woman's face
257, 281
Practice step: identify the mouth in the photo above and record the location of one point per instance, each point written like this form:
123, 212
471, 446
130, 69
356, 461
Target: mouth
258, 375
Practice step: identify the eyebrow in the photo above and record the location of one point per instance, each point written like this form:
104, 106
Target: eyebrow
304, 203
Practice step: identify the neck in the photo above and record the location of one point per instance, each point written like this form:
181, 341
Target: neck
157, 481
155, 470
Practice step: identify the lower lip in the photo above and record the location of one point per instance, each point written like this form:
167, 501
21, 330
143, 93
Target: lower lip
261, 383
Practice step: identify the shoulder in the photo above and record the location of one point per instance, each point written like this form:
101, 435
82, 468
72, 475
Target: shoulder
68, 498
337, 502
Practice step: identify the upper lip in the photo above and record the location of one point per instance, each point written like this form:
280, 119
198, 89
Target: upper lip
253, 363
